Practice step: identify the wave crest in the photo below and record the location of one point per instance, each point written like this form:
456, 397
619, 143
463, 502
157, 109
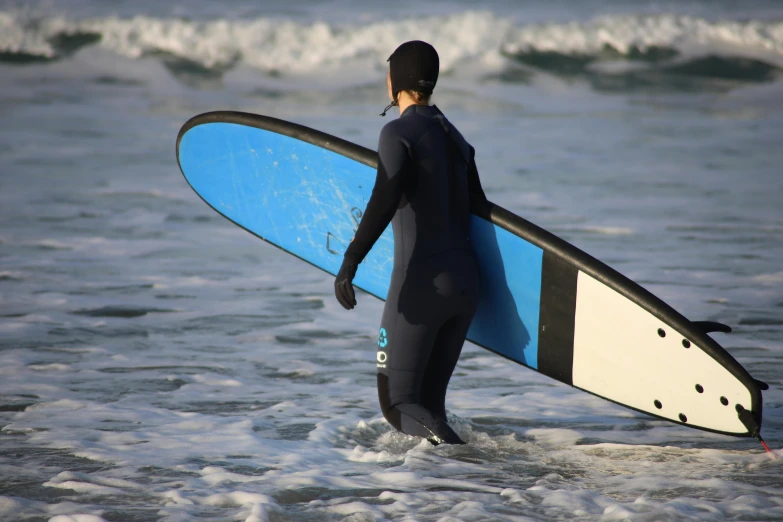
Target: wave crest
292, 47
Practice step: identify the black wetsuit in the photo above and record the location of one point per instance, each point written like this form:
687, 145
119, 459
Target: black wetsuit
426, 180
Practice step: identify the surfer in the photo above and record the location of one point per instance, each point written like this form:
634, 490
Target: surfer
426, 182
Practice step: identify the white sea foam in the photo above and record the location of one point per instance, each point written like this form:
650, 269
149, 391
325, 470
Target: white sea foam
555, 437
628, 33
10, 505
769, 279
16, 37
594, 229
94, 484
273, 44
49, 367
50, 244
77, 518
214, 380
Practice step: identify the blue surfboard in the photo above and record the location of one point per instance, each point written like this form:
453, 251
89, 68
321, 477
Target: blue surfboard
545, 304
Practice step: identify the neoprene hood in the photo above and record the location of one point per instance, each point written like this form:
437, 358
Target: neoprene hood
414, 66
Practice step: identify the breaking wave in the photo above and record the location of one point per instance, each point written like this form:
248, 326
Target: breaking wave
746, 50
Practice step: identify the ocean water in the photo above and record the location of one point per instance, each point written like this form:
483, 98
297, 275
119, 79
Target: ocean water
158, 363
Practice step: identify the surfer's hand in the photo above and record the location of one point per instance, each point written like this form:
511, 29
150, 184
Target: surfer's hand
343, 286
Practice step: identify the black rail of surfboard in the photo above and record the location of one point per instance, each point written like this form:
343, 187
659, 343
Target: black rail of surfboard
526, 230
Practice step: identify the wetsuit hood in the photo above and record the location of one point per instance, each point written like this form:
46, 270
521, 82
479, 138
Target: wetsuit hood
414, 66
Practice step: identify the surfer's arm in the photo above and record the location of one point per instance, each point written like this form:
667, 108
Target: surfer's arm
393, 160
477, 196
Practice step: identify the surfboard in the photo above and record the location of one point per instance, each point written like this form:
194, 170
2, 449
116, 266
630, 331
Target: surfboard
545, 304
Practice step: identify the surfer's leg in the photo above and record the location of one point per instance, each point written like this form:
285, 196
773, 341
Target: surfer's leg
450, 338
414, 419
409, 418
409, 332
443, 360
403, 351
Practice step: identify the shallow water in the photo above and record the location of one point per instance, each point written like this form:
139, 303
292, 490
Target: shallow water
159, 363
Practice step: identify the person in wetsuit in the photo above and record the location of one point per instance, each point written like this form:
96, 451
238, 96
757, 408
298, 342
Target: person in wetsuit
425, 184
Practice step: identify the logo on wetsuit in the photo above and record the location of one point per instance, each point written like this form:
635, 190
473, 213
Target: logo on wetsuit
383, 340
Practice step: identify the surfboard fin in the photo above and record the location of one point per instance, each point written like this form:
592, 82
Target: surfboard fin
750, 423
711, 326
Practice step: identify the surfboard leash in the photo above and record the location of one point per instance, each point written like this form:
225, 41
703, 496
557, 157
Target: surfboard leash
767, 448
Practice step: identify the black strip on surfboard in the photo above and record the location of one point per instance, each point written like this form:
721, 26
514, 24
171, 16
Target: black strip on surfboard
556, 319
